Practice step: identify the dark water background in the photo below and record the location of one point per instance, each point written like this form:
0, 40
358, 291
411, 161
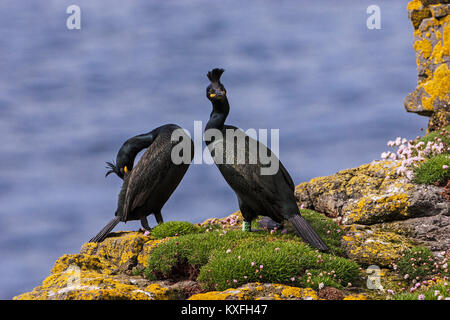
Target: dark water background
68, 99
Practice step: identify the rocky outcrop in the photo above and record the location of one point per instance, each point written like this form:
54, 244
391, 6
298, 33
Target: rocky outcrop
431, 22
105, 272
383, 213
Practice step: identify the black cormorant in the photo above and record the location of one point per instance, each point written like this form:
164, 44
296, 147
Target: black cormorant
269, 195
148, 185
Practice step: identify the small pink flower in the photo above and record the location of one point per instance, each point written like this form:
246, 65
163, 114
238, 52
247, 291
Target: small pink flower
445, 167
252, 264
229, 250
234, 280
421, 297
293, 279
261, 266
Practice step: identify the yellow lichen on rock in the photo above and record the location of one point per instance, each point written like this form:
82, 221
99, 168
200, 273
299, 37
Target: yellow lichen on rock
121, 249
370, 245
414, 5
258, 291
431, 21
437, 88
367, 194
299, 293
424, 47
84, 277
356, 297
143, 255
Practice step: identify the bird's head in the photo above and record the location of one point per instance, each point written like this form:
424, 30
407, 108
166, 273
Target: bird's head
215, 91
122, 167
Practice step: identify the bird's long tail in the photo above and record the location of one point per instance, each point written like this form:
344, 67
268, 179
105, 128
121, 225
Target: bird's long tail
307, 233
106, 230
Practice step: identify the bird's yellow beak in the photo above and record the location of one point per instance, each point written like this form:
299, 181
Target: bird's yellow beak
212, 95
125, 169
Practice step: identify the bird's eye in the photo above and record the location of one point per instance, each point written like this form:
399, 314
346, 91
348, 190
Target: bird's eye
125, 169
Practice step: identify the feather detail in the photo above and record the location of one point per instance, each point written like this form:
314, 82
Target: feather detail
215, 74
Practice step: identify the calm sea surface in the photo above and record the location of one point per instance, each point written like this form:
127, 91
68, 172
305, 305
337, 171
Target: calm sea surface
68, 99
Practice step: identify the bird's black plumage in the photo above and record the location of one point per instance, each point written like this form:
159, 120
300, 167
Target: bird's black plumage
269, 195
148, 185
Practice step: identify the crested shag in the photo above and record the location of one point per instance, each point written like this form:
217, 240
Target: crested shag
148, 185
269, 195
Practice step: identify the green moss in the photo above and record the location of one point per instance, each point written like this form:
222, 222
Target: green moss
174, 228
224, 260
191, 249
278, 261
432, 171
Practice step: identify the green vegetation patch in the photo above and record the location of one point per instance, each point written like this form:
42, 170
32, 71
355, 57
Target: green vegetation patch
433, 170
174, 228
442, 134
276, 261
439, 290
220, 260
419, 263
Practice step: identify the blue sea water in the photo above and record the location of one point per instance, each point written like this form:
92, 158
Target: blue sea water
69, 98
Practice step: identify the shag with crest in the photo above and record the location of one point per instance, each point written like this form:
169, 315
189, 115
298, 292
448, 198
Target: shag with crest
148, 186
258, 192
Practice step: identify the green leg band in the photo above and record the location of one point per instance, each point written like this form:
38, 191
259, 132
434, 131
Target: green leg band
246, 226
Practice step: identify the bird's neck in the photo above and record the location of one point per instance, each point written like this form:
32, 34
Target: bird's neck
219, 114
136, 144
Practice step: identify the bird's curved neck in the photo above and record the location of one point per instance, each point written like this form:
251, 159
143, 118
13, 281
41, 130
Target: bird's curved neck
219, 114
136, 144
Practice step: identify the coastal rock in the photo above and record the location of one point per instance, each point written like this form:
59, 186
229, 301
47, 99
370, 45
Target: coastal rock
371, 193
431, 22
86, 277
384, 213
370, 245
259, 291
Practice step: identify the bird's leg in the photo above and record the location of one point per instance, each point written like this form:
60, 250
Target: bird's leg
145, 226
158, 217
247, 214
247, 226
